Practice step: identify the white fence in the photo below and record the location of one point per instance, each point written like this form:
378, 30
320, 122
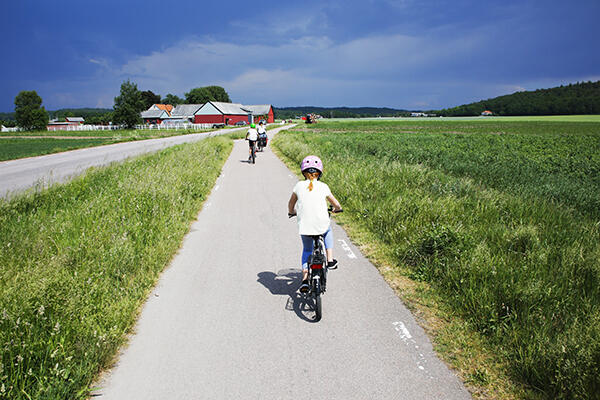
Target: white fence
5, 129
182, 126
85, 127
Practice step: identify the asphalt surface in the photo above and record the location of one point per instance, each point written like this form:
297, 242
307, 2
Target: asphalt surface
42, 171
226, 320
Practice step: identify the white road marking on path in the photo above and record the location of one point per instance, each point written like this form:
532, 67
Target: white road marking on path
402, 331
405, 335
347, 249
216, 188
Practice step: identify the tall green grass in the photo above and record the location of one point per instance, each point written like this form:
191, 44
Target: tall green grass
503, 226
78, 260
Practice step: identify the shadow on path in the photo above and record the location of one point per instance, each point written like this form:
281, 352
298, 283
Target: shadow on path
286, 283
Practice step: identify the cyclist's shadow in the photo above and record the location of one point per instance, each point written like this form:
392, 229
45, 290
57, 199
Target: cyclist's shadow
286, 283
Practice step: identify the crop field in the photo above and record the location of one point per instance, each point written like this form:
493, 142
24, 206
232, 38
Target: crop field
500, 218
78, 260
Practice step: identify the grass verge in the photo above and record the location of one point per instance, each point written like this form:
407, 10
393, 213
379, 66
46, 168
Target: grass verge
507, 277
79, 259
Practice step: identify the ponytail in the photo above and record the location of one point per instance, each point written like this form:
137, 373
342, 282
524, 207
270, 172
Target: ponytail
311, 176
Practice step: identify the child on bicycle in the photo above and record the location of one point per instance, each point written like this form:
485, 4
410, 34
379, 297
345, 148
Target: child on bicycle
309, 202
251, 137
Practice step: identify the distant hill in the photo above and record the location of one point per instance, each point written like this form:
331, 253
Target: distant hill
338, 112
578, 98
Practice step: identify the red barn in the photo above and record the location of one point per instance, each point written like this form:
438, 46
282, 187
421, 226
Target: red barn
215, 112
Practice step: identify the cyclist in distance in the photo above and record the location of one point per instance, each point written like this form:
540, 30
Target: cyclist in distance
262, 132
251, 137
309, 202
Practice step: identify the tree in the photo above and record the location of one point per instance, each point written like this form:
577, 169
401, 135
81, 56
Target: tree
128, 105
207, 93
150, 98
218, 94
172, 100
29, 113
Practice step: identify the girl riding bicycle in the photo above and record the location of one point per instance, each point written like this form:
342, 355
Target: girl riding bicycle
309, 201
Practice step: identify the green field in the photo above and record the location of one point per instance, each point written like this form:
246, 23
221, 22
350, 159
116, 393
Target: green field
500, 217
14, 145
11, 149
78, 260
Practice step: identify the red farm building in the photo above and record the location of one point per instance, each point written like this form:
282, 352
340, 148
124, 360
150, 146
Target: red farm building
215, 112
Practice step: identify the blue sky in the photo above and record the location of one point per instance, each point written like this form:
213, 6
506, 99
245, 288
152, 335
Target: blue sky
389, 53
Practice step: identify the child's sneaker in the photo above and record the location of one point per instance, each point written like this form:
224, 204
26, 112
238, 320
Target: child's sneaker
304, 287
333, 264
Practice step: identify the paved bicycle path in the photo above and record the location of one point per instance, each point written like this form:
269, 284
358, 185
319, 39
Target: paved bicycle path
226, 320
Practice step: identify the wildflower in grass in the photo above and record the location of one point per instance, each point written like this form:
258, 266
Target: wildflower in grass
19, 358
41, 310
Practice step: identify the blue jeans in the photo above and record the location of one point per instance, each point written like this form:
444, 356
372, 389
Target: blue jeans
307, 244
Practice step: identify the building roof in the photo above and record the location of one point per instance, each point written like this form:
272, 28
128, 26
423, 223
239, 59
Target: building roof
153, 113
230, 108
260, 109
167, 107
185, 110
74, 119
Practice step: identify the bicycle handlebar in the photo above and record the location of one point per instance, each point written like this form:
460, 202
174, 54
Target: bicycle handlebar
330, 209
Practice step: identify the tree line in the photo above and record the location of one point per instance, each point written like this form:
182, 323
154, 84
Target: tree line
31, 115
572, 99
339, 112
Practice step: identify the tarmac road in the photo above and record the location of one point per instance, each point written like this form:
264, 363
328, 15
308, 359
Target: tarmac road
42, 171
226, 320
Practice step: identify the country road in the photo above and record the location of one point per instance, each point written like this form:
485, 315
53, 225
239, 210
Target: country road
42, 171
226, 321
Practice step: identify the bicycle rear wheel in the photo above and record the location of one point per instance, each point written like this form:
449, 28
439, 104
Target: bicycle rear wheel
254, 154
318, 302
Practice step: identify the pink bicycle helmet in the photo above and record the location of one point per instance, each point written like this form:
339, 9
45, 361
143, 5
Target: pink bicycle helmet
311, 162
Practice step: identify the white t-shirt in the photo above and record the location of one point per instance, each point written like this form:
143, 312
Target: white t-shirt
252, 134
261, 129
311, 207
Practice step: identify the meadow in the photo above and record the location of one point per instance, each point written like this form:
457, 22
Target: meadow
501, 219
14, 145
78, 261
12, 149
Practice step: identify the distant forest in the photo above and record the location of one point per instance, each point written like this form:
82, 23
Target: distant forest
338, 112
578, 98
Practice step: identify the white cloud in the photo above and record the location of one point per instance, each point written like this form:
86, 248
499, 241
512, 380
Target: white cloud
327, 68
384, 70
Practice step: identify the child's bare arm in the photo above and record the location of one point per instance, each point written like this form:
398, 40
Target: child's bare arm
333, 201
292, 203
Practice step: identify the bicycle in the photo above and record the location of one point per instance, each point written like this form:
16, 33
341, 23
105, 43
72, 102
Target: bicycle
252, 158
262, 142
317, 270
